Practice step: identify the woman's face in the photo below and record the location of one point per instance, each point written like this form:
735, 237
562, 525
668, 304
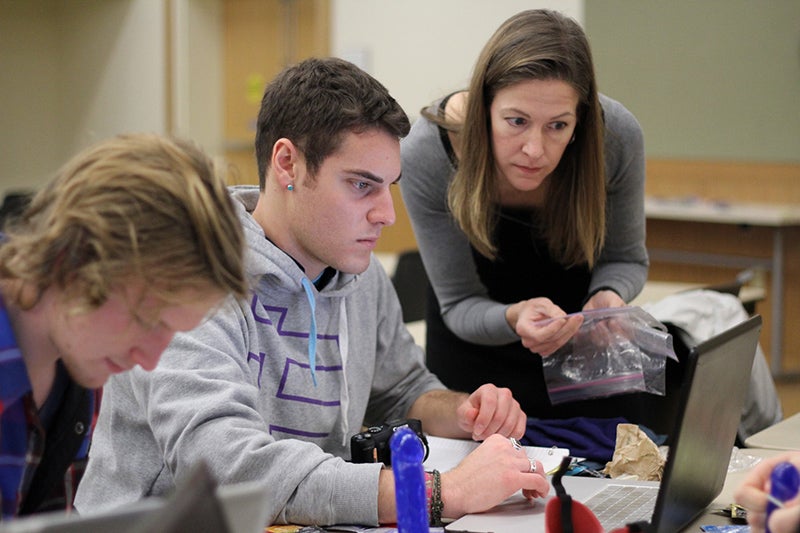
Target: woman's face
532, 123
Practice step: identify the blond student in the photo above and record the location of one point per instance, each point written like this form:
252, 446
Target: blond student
134, 240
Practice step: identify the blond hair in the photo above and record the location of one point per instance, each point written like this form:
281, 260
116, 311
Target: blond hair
133, 207
545, 45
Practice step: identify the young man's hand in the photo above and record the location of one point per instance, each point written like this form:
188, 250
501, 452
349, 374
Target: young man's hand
490, 474
491, 410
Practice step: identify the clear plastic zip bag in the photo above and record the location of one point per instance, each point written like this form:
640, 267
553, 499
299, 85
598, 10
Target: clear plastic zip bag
617, 350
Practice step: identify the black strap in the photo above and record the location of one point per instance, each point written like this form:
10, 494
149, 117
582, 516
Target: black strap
564, 499
443, 136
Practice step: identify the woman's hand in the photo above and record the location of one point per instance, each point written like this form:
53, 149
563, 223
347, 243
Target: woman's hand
604, 299
489, 475
543, 338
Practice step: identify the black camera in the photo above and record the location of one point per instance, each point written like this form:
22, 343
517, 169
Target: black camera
372, 445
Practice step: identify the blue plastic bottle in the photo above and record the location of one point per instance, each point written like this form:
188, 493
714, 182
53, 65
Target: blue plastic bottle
784, 484
409, 481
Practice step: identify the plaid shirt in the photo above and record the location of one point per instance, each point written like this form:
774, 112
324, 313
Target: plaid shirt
38, 471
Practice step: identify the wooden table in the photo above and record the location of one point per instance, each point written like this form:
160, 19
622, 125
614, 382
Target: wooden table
776, 217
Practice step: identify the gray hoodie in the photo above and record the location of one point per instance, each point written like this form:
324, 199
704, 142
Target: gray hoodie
239, 393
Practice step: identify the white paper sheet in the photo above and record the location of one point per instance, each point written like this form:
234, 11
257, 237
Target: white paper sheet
445, 454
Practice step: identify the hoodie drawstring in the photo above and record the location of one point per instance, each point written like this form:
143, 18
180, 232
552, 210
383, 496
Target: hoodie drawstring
344, 394
312, 333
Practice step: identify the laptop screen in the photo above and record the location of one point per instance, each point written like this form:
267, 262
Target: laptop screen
714, 393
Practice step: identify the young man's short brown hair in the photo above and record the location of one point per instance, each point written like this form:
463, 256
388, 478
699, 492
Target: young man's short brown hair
314, 102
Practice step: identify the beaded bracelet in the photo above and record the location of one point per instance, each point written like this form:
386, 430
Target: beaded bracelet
435, 504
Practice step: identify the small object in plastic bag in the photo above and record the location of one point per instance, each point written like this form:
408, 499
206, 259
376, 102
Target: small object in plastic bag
741, 461
616, 351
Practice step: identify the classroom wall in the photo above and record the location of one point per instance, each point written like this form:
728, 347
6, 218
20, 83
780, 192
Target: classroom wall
717, 79
421, 49
196, 72
73, 74
77, 72
29, 105
82, 71
113, 71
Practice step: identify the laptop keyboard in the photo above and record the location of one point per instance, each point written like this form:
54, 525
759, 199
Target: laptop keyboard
617, 505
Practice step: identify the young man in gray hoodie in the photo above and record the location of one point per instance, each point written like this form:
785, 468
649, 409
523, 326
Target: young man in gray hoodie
272, 388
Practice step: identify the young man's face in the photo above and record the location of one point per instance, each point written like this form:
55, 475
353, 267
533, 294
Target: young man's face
337, 216
119, 335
